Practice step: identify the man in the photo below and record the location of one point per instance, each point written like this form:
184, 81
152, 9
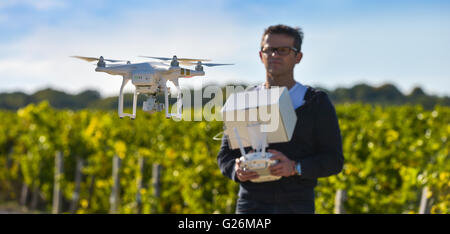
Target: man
315, 149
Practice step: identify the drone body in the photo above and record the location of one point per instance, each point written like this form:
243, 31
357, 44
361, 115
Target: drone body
150, 79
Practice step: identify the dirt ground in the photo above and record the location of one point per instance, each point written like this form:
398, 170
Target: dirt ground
13, 208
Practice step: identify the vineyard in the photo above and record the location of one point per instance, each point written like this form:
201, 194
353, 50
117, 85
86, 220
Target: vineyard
98, 163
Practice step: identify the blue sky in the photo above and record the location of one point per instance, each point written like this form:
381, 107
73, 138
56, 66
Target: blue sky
346, 41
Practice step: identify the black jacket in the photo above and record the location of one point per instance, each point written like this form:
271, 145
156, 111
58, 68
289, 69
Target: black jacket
316, 143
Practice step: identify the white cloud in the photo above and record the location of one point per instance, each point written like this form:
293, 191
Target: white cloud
43, 56
372, 50
29, 68
41, 5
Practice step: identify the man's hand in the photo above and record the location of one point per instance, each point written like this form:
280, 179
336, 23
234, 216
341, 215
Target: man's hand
285, 167
244, 175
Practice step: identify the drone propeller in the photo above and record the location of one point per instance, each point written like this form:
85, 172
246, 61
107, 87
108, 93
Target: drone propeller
179, 59
199, 63
215, 64
91, 59
182, 63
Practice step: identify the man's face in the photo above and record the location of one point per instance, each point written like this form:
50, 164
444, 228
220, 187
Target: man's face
275, 63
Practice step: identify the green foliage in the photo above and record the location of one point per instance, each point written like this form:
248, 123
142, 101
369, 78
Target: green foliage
390, 153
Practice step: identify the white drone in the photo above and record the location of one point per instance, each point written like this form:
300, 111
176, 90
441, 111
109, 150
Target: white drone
150, 79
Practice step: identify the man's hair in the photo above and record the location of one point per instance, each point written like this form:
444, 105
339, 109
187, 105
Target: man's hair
296, 33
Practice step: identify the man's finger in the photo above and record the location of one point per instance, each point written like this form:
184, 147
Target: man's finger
276, 166
251, 177
272, 151
244, 176
278, 157
245, 173
277, 172
275, 153
252, 173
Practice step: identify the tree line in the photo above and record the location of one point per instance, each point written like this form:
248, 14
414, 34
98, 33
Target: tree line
385, 95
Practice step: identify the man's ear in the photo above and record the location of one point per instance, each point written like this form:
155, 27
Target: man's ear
260, 56
299, 57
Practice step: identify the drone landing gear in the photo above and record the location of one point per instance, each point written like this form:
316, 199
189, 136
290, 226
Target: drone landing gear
178, 115
121, 113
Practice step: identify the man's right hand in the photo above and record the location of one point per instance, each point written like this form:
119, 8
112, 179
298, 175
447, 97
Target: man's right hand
244, 175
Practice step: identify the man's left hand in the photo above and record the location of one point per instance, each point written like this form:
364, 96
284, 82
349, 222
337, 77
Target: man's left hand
285, 167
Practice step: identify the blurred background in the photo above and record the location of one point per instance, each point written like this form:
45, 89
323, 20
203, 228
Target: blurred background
63, 150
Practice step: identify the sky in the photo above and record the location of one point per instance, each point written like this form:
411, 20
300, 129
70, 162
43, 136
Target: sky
346, 42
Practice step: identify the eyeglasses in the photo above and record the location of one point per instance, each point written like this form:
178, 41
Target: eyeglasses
280, 50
